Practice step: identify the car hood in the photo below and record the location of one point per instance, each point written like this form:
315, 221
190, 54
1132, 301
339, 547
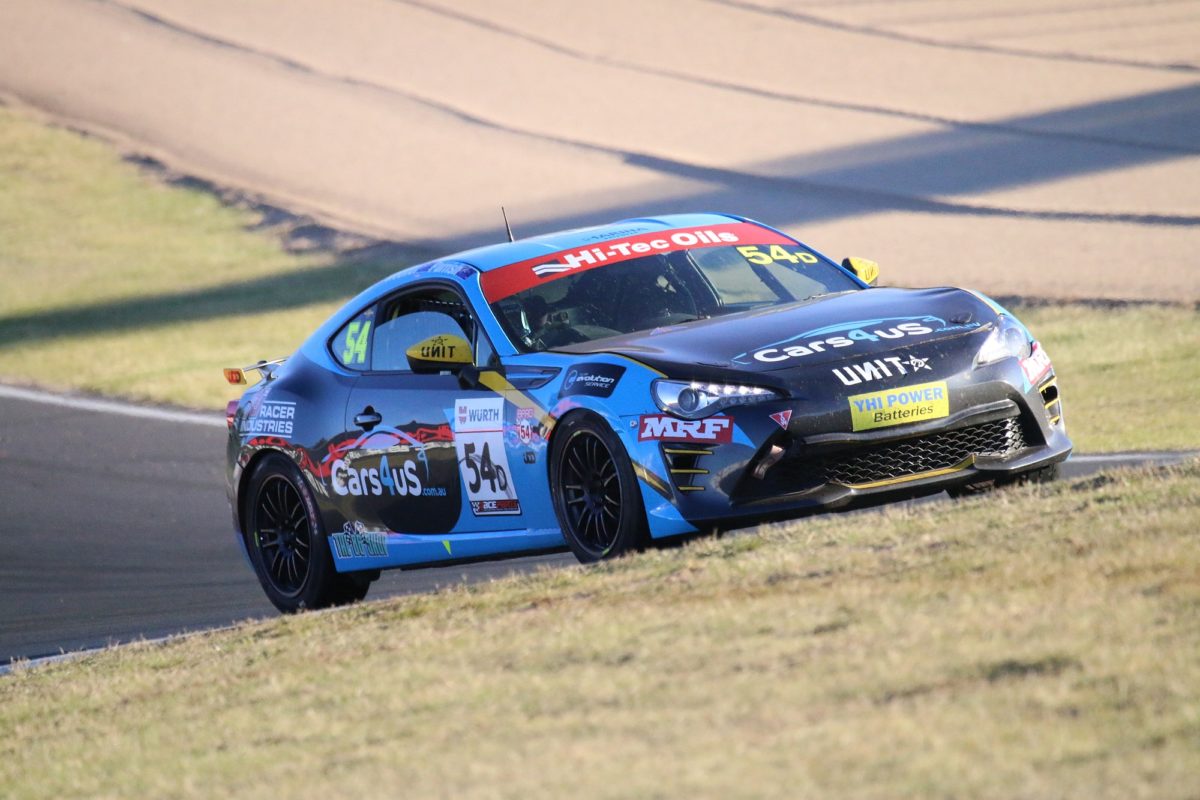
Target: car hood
859, 324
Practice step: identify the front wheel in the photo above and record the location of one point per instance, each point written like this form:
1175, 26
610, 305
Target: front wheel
287, 544
596, 495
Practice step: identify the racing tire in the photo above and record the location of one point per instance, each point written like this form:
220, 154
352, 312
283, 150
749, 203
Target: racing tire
286, 542
596, 495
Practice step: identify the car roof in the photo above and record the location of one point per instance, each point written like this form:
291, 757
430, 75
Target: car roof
494, 256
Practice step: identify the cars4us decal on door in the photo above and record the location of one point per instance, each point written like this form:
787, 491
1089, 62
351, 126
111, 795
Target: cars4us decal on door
482, 459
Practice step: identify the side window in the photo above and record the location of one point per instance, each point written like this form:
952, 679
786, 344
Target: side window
351, 345
411, 318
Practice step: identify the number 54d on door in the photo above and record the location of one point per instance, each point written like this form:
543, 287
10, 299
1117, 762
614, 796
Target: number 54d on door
482, 459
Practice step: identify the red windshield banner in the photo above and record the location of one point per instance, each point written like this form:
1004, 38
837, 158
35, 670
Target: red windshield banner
506, 281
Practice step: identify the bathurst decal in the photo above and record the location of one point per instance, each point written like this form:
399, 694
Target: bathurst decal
663, 428
875, 369
899, 406
526, 422
505, 281
849, 334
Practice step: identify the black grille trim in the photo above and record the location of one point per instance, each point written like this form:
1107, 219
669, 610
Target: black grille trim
900, 459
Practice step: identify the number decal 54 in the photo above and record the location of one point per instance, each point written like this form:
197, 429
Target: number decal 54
482, 458
763, 254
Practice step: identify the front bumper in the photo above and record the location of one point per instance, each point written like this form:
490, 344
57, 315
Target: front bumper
999, 425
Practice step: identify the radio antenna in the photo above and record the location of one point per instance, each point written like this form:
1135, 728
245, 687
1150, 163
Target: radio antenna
507, 227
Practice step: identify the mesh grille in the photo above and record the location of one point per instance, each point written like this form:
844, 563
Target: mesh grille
906, 457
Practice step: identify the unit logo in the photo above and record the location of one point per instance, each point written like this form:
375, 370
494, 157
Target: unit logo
886, 367
439, 347
659, 427
899, 406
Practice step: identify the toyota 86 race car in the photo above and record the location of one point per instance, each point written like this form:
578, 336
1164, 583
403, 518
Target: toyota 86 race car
610, 387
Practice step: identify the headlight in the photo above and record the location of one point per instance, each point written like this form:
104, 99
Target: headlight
1008, 340
695, 400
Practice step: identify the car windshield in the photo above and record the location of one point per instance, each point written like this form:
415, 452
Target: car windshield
664, 289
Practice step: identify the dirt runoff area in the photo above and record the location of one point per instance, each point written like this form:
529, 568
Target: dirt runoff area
1023, 147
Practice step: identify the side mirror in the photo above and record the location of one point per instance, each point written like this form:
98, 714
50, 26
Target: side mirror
866, 269
441, 352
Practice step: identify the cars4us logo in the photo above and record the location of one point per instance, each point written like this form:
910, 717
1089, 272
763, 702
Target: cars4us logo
659, 427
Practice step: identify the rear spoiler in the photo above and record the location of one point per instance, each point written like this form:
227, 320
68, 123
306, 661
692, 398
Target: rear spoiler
237, 375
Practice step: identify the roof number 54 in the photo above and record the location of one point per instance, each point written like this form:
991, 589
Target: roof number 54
755, 254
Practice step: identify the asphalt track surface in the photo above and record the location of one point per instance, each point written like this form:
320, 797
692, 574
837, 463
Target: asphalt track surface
116, 528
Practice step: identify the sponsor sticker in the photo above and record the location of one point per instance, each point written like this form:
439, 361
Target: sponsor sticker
877, 368
506, 281
482, 457
1037, 365
526, 417
850, 335
459, 269
270, 418
355, 541
594, 380
782, 418
396, 479
889, 407
660, 427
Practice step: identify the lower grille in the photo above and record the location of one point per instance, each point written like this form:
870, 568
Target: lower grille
906, 457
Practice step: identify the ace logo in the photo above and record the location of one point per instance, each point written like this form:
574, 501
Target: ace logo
659, 427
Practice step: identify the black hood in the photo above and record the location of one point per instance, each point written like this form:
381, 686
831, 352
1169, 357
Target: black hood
855, 324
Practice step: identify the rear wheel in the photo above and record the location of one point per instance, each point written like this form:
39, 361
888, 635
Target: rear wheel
596, 496
287, 543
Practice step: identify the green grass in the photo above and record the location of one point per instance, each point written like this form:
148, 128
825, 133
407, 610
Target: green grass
117, 284
1037, 643
1130, 377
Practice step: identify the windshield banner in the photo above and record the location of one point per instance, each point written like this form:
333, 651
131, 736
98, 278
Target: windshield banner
506, 281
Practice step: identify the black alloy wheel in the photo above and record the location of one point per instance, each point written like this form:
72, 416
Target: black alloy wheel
595, 491
282, 534
287, 544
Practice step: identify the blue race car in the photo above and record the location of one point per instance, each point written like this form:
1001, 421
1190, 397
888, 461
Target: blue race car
610, 387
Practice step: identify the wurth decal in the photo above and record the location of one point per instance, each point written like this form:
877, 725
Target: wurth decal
505, 281
659, 427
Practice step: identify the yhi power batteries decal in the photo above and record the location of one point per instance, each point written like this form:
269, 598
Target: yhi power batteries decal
482, 459
899, 406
